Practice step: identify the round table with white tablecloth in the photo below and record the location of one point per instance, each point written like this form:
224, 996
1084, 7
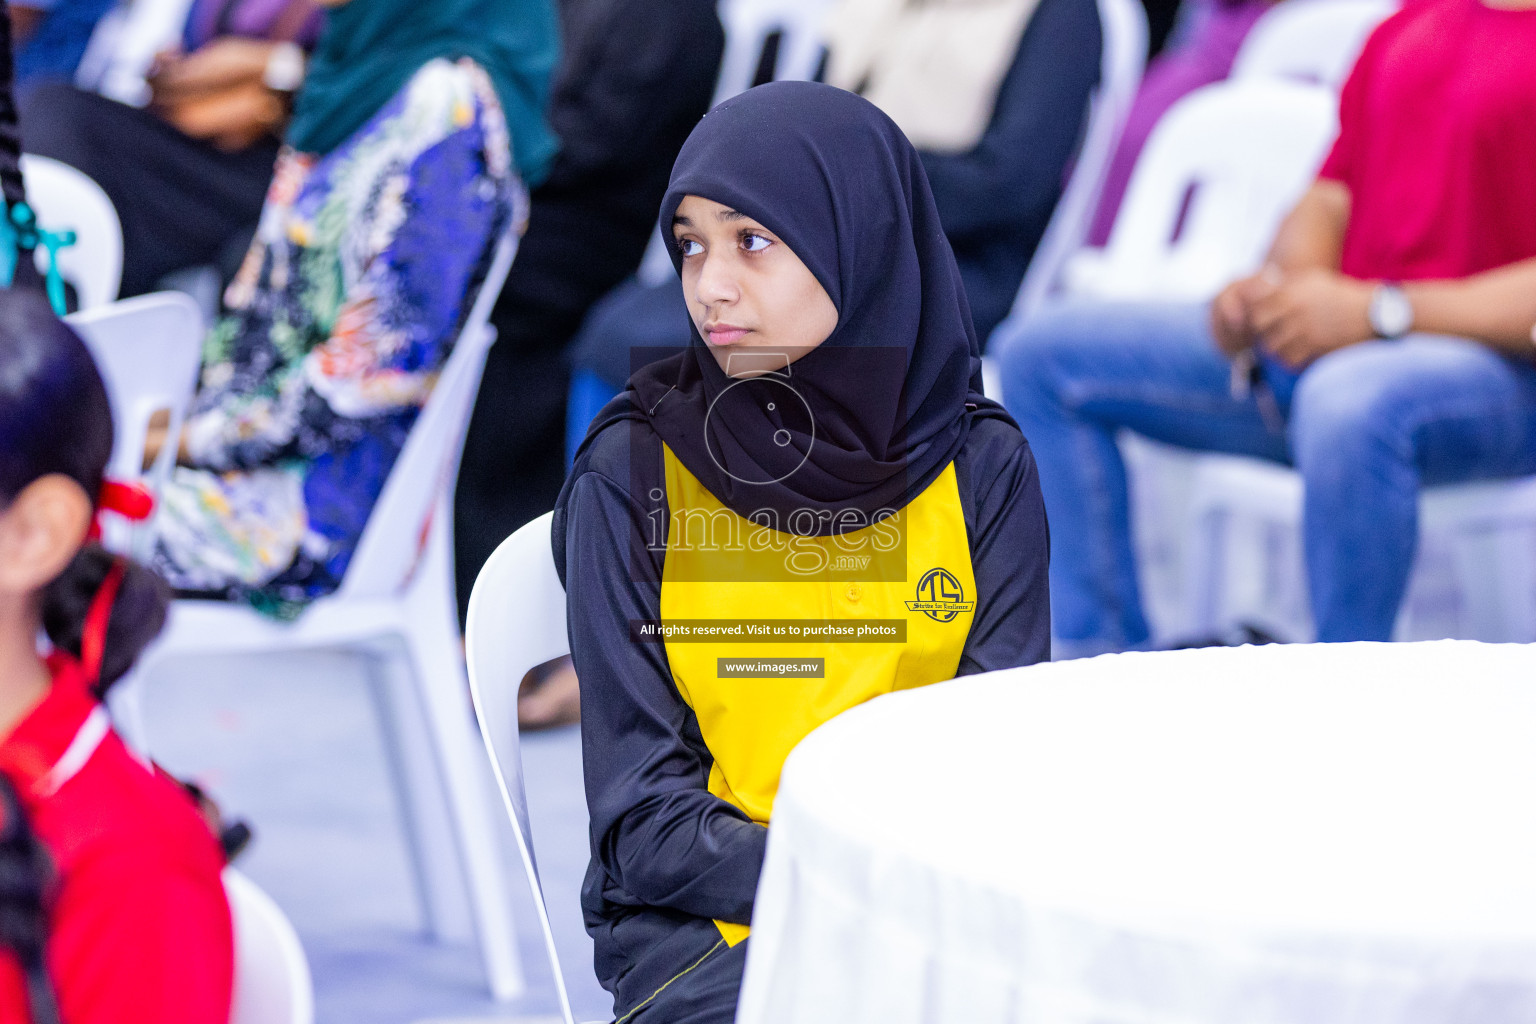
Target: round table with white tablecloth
1309, 834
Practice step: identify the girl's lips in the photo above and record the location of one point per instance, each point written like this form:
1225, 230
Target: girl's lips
726, 335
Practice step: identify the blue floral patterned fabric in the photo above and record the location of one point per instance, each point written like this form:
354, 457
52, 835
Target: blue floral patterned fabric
362, 271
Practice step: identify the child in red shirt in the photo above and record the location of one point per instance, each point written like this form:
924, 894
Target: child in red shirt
111, 904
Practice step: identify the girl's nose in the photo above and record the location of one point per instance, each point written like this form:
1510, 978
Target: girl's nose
717, 282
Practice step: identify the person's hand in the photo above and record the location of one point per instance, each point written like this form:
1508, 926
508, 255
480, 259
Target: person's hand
1310, 313
162, 60
1230, 315
155, 440
218, 93
232, 837
231, 120
154, 443
225, 62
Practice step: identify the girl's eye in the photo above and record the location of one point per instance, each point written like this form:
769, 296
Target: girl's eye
754, 243
688, 247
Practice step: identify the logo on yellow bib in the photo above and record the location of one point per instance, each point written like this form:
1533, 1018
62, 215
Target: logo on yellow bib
940, 596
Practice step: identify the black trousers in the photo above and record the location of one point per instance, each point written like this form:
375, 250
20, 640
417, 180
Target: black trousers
688, 977
182, 202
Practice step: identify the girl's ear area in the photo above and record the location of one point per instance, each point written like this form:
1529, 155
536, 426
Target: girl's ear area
41, 531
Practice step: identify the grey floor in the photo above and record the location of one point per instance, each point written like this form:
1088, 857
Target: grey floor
291, 744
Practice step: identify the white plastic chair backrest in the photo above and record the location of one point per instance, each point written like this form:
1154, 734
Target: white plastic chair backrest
64, 198
516, 621
272, 980
124, 44
1123, 25
148, 350
1313, 41
1241, 154
428, 464
748, 26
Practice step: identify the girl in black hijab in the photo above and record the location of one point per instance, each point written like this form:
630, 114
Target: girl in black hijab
813, 499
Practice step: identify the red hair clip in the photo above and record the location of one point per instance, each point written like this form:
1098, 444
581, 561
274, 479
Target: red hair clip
131, 501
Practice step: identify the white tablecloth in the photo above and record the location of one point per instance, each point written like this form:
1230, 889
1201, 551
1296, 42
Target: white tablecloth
1340, 834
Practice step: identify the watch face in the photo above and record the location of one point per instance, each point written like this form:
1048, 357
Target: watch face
1391, 314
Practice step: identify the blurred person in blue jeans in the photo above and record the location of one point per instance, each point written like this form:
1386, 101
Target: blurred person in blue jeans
1385, 345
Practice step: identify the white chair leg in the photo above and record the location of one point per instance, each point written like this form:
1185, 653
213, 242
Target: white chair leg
445, 694
1517, 584
1205, 554
443, 685
409, 754
1494, 578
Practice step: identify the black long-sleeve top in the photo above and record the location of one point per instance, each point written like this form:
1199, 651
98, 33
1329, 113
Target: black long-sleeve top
662, 844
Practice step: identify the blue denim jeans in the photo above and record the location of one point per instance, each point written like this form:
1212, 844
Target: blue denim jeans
1366, 426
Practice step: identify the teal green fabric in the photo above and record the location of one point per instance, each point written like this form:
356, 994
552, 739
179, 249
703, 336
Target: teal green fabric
370, 48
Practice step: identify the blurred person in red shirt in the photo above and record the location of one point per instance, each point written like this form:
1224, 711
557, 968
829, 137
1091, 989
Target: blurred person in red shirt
1384, 346
111, 906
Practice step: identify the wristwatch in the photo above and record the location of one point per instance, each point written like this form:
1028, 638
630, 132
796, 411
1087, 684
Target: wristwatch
285, 68
1390, 312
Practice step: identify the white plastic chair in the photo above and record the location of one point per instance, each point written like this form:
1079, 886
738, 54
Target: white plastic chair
1249, 150
516, 621
64, 198
1309, 40
749, 24
1229, 161
272, 980
1123, 24
396, 609
148, 350
1245, 554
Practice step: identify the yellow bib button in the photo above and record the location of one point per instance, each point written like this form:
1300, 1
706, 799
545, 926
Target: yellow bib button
855, 591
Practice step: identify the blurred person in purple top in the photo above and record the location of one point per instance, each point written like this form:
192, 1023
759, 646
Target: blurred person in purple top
209, 20
188, 172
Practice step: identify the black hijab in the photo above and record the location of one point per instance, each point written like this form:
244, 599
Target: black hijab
889, 397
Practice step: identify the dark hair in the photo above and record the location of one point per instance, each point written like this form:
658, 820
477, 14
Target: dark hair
25, 874
55, 418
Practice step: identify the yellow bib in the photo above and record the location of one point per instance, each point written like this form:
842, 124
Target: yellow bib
722, 567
